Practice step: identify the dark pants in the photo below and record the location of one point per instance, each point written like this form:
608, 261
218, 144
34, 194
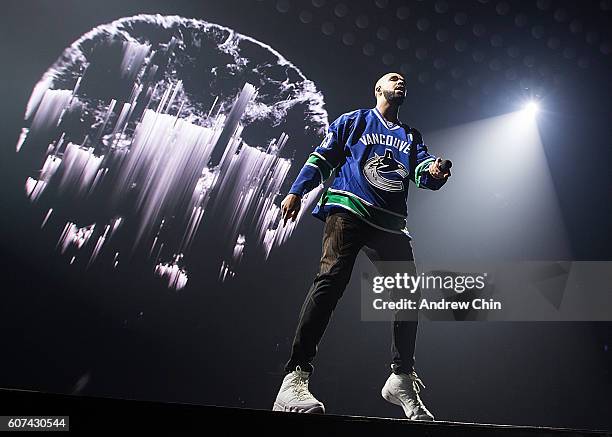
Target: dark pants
344, 236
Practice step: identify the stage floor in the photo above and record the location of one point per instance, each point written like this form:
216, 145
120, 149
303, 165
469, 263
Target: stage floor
88, 415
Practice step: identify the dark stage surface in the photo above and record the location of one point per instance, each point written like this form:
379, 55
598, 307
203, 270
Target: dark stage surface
87, 414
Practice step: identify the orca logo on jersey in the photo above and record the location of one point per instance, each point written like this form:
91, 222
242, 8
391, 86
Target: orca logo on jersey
375, 168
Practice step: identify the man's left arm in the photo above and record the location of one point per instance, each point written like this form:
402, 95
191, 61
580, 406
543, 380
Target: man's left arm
428, 173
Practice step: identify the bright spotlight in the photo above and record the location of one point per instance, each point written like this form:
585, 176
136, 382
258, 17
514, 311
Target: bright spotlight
531, 108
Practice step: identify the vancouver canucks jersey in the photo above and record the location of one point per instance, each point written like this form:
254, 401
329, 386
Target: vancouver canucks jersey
372, 160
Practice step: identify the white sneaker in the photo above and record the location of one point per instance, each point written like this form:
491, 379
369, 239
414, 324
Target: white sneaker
403, 390
294, 395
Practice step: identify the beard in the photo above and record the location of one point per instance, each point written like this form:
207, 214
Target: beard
393, 98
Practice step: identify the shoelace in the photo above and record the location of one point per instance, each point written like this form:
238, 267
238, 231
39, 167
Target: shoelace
301, 388
415, 382
415, 385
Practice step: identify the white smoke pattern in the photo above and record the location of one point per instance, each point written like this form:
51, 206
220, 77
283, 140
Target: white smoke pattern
44, 222
167, 156
75, 236
75, 58
34, 188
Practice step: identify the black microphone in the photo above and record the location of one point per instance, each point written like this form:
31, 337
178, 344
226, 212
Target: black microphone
445, 165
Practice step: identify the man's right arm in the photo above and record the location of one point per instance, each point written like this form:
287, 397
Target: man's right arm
319, 166
321, 163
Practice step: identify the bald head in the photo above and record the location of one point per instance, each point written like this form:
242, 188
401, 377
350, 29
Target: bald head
391, 87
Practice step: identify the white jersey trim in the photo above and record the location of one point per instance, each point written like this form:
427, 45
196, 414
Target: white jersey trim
348, 193
383, 121
365, 220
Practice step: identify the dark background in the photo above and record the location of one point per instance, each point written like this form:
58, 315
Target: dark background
127, 336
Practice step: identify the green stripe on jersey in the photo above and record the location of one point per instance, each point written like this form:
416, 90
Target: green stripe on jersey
376, 216
321, 164
419, 169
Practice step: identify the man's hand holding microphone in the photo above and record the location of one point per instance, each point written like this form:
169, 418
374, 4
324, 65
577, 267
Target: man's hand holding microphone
440, 168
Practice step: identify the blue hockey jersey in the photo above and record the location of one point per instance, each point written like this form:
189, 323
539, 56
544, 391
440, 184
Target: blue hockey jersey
373, 160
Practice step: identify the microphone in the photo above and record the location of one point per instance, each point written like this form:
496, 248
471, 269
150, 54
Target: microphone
445, 165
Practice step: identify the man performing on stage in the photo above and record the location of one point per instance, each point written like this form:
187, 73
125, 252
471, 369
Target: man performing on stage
373, 156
